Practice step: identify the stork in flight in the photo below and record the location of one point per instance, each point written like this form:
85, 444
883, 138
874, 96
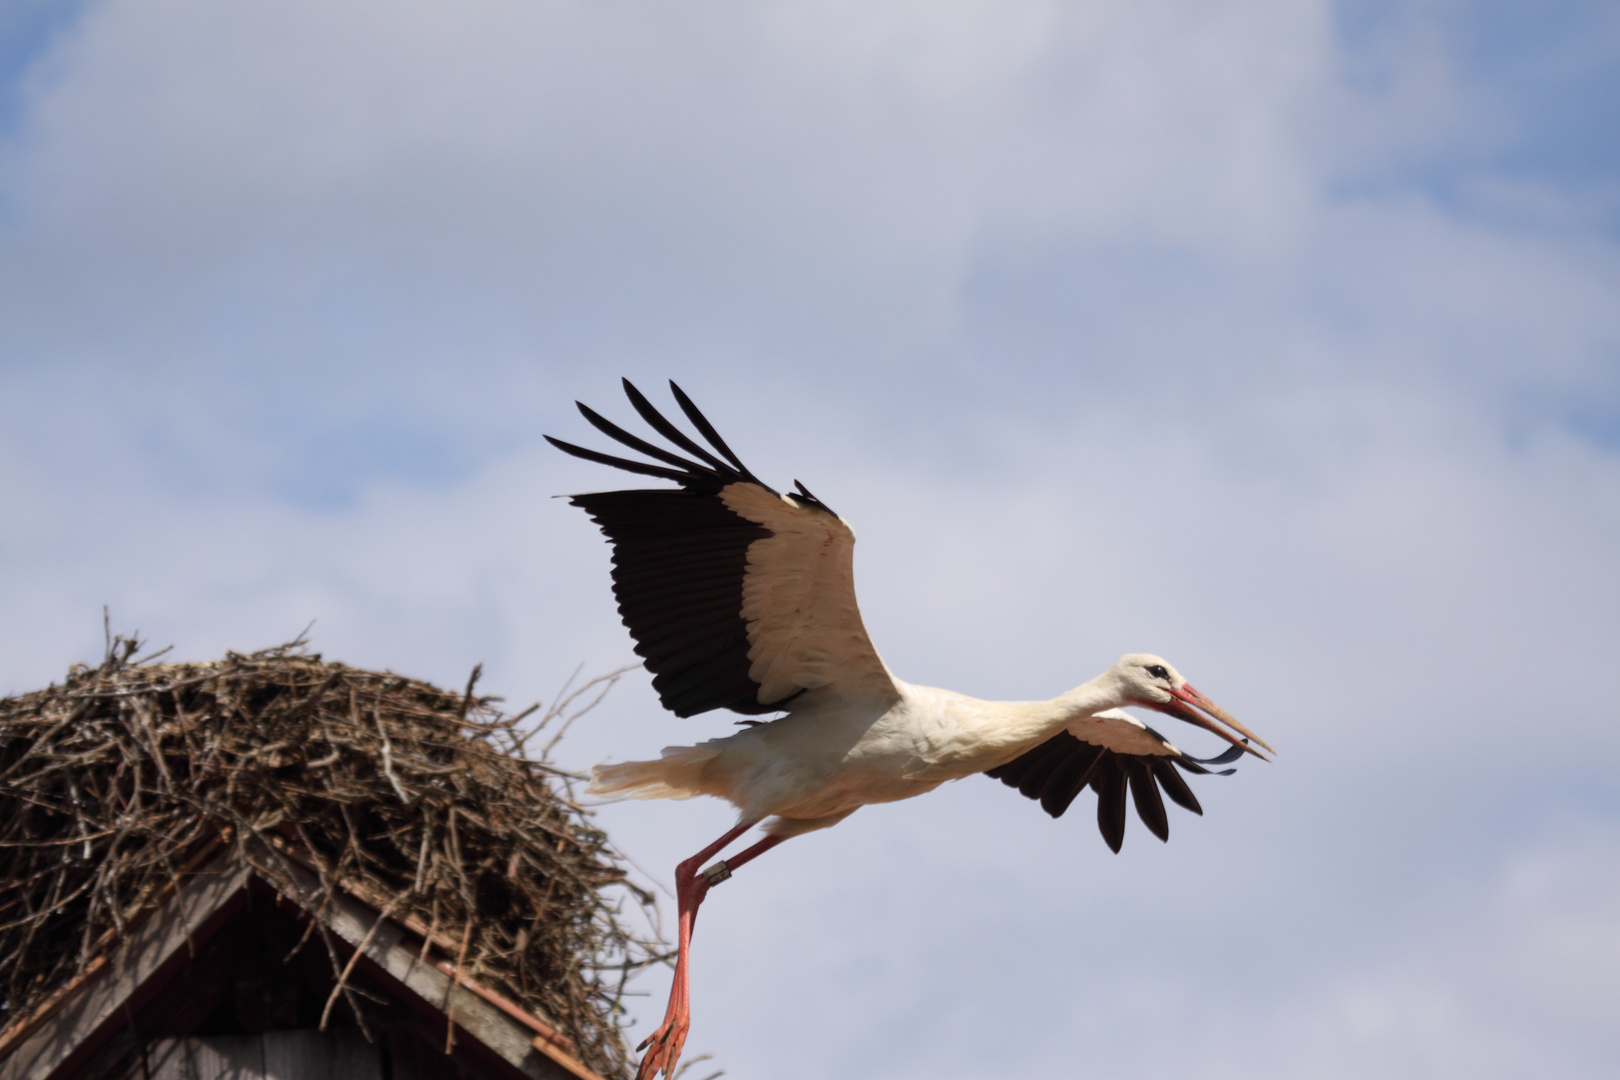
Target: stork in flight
740, 597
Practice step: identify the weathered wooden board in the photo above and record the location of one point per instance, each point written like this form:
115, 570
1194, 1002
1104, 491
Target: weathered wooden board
414, 1059
493, 1031
86, 1017
222, 1057
384, 947
339, 1054
334, 1054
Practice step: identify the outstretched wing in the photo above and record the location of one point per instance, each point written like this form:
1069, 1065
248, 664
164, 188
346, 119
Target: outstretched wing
738, 597
1109, 752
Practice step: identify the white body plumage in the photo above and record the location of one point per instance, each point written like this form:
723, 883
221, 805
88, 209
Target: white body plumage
826, 759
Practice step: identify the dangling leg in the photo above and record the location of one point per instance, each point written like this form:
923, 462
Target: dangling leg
691, 886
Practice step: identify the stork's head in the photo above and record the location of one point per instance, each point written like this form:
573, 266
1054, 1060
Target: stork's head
1150, 682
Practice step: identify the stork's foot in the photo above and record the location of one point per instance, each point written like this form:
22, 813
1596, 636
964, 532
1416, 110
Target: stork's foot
664, 1047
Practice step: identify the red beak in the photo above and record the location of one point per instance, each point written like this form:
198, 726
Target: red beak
1189, 705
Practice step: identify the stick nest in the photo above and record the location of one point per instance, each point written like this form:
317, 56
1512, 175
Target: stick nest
389, 786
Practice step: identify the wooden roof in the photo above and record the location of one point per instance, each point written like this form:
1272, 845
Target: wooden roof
139, 1009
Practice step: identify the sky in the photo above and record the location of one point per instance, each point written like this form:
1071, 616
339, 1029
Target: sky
1281, 340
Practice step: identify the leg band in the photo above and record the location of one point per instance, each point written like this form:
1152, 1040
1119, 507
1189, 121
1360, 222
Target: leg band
716, 872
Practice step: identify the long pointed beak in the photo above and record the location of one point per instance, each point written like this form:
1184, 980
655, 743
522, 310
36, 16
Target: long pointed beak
1199, 706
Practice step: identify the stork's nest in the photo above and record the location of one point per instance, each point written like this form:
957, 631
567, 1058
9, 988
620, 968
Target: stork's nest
390, 787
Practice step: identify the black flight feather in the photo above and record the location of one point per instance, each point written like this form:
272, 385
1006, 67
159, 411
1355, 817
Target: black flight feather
614, 431
1175, 787
1071, 778
679, 559
617, 462
1110, 786
701, 422
1145, 794
665, 428
1057, 770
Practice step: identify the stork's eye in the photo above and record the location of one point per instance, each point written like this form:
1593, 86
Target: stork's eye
1158, 672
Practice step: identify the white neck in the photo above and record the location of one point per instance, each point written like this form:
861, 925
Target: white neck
1088, 699
1020, 722
979, 735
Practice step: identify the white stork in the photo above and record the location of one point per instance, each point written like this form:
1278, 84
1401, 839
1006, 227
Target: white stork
743, 598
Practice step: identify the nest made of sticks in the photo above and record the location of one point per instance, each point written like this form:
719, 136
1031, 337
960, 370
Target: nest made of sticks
387, 785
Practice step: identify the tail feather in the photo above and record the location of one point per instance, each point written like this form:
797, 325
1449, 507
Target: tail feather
677, 774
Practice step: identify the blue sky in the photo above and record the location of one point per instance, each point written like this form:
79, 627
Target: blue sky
1280, 340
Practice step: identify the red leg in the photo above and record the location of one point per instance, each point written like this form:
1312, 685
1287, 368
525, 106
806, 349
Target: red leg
691, 887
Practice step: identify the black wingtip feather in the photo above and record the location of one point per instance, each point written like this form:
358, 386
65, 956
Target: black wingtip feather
618, 434
618, 462
659, 423
1149, 806
1054, 772
701, 422
1110, 785
1175, 787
